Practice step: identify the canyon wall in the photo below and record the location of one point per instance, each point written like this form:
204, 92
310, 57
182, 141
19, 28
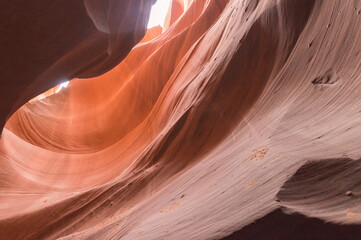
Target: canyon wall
236, 114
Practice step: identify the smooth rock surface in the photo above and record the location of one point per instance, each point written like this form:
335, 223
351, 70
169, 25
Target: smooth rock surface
233, 111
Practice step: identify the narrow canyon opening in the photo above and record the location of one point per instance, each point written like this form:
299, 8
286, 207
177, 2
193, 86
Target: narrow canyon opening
158, 13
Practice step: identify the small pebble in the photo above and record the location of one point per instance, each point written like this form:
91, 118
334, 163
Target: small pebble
349, 193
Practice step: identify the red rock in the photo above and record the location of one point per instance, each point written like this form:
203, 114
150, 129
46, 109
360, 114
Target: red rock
236, 110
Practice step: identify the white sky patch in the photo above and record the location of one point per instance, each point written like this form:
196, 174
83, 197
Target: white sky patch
157, 17
158, 13
63, 85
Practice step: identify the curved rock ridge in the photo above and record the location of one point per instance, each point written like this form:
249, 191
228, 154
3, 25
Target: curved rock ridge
233, 111
325, 189
112, 103
278, 225
52, 42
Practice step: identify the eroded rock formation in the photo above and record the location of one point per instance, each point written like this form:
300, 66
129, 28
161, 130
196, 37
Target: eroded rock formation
233, 111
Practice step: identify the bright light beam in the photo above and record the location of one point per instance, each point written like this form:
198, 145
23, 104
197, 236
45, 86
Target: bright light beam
158, 13
157, 17
63, 85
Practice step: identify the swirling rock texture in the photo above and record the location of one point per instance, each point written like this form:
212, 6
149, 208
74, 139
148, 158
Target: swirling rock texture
237, 116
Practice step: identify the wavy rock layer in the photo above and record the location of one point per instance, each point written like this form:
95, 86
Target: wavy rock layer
195, 133
278, 225
46, 43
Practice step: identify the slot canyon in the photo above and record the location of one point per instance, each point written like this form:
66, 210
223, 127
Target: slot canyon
229, 119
